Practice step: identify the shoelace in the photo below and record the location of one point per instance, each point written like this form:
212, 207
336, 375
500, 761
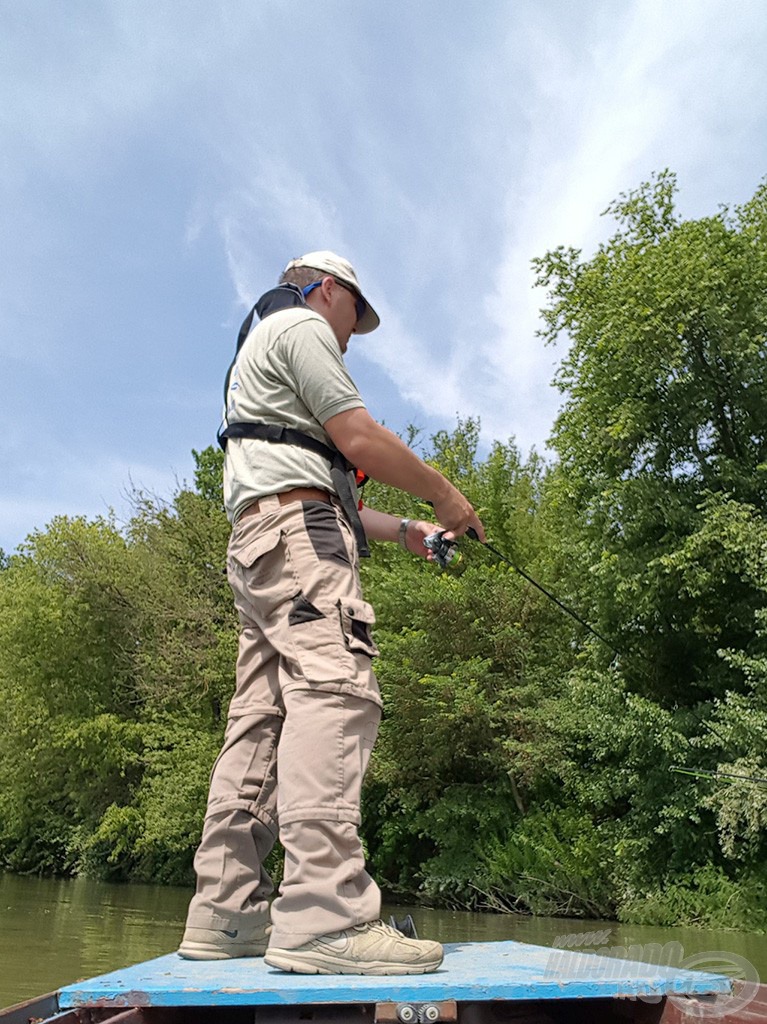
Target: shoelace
387, 929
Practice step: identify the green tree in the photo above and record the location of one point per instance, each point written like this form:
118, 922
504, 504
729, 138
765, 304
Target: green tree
466, 657
661, 485
67, 689
116, 661
665, 405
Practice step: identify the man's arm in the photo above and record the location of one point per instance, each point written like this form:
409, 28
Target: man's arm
383, 456
381, 526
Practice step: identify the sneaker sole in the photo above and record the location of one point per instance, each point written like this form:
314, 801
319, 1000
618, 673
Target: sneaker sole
199, 951
317, 963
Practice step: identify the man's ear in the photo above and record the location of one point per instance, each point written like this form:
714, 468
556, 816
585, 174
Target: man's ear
327, 288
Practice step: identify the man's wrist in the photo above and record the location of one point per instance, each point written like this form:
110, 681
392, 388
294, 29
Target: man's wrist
441, 488
402, 533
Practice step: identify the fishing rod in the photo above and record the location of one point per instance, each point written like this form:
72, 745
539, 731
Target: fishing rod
445, 550
728, 776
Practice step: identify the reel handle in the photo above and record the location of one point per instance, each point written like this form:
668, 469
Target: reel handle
444, 551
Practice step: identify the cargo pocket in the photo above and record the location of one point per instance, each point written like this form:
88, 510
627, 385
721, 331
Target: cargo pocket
260, 569
335, 653
357, 619
247, 552
320, 655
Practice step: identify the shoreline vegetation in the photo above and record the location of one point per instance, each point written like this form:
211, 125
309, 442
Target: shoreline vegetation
523, 766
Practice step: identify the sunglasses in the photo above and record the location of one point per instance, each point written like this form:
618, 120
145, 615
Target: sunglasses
359, 303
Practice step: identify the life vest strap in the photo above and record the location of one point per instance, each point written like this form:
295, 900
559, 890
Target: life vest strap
340, 469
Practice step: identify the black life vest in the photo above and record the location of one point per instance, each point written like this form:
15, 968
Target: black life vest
342, 473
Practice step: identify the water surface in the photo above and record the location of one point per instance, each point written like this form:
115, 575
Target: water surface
54, 932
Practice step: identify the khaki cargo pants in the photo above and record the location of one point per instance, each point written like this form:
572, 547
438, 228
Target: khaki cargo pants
300, 730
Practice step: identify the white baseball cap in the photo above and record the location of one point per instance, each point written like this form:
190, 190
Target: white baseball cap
336, 266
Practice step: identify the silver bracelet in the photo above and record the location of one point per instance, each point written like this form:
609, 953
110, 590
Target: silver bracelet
402, 536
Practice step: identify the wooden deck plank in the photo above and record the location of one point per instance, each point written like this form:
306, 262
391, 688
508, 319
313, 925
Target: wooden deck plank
472, 971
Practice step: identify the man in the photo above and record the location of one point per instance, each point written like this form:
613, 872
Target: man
307, 706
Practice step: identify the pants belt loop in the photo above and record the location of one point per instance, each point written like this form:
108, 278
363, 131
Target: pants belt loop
270, 503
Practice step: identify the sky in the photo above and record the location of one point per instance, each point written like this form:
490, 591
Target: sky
160, 162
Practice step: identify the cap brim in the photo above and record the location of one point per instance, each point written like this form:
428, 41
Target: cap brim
369, 319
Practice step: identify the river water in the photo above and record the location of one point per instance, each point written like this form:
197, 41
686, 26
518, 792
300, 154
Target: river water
53, 932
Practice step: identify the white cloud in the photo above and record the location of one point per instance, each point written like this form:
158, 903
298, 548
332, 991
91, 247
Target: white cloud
415, 366
597, 129
276, 200
279, 197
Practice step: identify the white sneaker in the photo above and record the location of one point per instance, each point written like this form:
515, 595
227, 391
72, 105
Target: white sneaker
215, 944
373, 948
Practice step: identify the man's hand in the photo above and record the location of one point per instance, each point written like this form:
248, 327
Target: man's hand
457, 515
382, 526
417, 531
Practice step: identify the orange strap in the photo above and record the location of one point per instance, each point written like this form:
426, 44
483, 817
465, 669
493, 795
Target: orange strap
360, 480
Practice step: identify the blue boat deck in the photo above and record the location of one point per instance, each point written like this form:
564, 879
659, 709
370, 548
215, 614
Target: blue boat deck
472, 972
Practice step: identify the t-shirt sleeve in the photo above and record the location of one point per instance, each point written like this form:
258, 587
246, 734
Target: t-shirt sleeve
311, 360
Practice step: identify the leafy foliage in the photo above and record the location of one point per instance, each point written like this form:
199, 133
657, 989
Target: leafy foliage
115, 663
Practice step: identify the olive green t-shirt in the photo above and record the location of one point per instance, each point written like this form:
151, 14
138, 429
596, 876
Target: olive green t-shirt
290, 371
